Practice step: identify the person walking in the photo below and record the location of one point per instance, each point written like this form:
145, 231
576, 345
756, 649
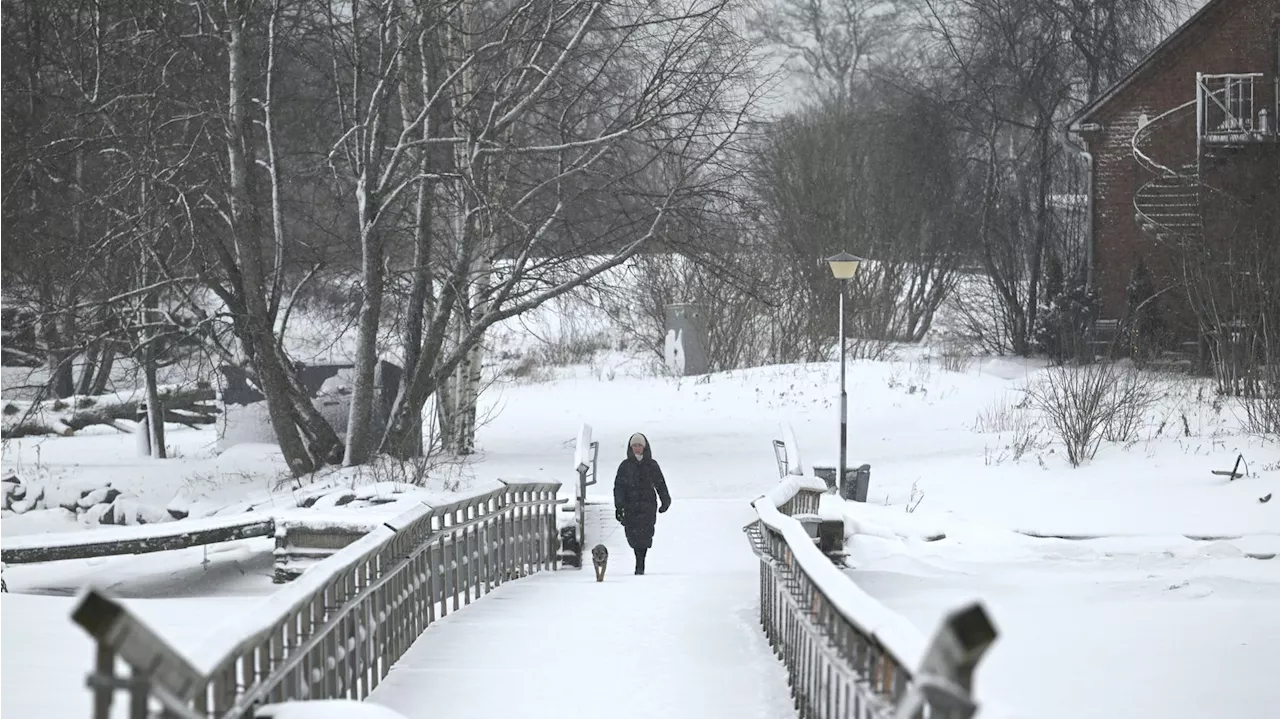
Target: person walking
637, 489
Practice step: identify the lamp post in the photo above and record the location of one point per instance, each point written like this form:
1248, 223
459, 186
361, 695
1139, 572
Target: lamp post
843, 267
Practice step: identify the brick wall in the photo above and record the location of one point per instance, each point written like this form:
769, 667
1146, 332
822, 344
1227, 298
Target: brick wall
1233, 36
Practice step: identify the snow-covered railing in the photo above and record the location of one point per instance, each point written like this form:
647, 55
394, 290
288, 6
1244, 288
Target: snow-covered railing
847, 654
335, 632
573, 534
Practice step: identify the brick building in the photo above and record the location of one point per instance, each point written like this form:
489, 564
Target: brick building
1185, 157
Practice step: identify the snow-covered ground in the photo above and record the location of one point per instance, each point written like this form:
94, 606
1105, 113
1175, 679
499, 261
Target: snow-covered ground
184, 595
1171, 613
1119, 628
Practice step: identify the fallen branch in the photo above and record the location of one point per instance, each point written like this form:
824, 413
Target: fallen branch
187, 405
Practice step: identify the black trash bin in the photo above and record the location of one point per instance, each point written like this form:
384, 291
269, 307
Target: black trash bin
856, 484
826, 474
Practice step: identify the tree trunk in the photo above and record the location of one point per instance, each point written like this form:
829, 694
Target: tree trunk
106, 361
148, 343
370, 203
1044, 173
61, 380
155, 405
420, 289
448, 406
471, 372
89, 369
360, 418
183, 405
256, 328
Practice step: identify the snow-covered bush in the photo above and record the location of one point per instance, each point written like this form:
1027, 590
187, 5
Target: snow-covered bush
1262, 412
1002, 414
1066, 316
1082, 406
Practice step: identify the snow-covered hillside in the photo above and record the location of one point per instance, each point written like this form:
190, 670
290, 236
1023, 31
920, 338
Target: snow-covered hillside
1150, 589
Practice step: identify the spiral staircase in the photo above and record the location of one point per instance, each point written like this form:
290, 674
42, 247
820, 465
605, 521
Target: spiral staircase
1183, 153
1167, 202
1173, 149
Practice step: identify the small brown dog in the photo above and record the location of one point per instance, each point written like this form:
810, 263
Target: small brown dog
600, 558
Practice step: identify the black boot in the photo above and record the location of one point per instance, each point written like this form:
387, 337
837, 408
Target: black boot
640, 560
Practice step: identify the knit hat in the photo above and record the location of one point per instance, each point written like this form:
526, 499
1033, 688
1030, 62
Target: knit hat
638, 438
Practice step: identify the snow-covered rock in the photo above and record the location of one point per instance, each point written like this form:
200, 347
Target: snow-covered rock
34, 499
101, 495
102, 513
335, 499
178, 508
21, 497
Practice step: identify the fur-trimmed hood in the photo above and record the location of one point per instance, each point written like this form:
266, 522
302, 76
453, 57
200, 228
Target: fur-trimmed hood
648, 449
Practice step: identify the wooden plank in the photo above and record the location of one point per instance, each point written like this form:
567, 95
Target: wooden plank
145, 538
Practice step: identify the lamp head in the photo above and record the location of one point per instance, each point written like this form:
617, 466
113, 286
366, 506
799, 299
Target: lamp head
844, 265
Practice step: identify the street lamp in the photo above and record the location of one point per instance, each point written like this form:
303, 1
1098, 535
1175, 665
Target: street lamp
843, 267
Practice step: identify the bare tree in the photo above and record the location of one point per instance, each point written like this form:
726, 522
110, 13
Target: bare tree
577, 130
479, 159
1015, 71
832, 44
879, 180
723, 268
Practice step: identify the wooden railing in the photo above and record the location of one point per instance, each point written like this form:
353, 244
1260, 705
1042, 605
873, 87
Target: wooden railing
847, 655
335, 632
573, 536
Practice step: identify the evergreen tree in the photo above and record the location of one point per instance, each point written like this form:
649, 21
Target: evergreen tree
1067, 312
1146, 325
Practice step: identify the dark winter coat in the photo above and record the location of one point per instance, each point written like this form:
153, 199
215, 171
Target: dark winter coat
637, 489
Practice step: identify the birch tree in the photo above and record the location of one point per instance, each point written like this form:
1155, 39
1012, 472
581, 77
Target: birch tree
482, 157
515, 145
575, 128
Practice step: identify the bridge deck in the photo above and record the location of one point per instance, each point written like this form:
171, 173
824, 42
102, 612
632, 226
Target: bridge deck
683, 640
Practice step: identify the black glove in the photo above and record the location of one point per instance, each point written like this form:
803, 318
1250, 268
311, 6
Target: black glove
665, 506
620, 515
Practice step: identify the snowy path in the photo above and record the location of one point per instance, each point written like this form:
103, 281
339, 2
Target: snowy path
682, 641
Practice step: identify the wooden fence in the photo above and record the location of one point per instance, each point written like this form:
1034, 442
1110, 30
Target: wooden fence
335, 632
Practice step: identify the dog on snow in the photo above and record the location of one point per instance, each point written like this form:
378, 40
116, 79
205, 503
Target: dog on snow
600, 558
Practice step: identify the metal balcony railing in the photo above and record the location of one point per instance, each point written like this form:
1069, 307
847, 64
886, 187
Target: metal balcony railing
1230, 109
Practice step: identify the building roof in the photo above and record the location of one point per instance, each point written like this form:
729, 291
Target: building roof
1146, 62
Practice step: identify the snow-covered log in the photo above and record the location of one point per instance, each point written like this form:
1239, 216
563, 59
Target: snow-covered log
191, 406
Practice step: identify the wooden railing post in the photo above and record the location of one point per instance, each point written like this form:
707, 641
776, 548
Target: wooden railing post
103, 680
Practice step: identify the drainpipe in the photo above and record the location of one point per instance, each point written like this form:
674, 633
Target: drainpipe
1069, 138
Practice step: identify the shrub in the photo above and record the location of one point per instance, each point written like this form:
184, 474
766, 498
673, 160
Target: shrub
1084, 405
1066, 317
